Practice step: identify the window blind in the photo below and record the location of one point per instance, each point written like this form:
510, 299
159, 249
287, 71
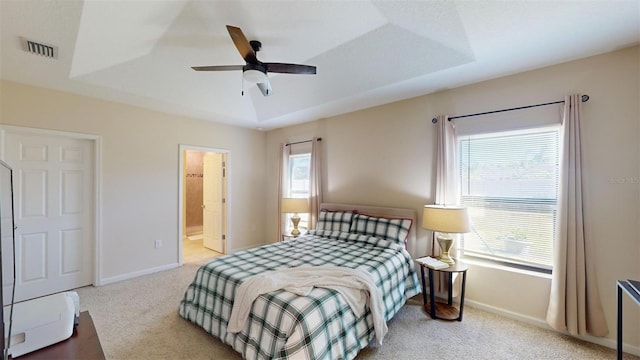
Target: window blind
298, 186
509, 182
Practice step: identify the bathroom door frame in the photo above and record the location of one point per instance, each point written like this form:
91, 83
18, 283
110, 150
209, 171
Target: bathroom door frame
181, 193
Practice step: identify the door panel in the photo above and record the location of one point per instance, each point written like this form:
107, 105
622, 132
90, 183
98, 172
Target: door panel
32, 267
71, 242
53, 186
71, 198
34, 202
212, 193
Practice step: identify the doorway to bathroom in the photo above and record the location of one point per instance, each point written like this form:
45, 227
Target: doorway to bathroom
203, 203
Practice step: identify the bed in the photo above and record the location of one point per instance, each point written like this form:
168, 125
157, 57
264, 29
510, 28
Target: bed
322, 324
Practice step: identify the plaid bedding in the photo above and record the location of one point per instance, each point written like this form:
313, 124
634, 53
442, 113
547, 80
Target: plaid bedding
287, 326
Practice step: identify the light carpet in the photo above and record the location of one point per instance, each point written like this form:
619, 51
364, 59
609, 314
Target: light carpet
138, 319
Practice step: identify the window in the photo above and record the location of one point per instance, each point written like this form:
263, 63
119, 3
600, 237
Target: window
299, 165
509, 182
298, 185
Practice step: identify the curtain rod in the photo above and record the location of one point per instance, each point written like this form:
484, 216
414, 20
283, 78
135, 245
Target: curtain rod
584, 98
301, 142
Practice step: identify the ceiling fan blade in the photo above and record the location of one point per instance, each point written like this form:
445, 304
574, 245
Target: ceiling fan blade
265, 87
290, 68
242, 44
217, 68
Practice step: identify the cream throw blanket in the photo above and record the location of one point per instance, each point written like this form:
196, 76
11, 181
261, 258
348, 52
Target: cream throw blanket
356, 286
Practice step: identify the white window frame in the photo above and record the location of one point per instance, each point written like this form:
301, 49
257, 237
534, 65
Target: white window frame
290, 193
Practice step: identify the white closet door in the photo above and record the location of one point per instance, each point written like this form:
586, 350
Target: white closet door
53, 186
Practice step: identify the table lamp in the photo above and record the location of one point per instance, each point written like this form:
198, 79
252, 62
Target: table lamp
446, 220
295, 206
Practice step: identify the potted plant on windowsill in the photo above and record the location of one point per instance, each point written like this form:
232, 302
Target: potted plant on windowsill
515, 242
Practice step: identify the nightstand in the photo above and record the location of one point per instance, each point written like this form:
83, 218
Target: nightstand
286, 237
440, 310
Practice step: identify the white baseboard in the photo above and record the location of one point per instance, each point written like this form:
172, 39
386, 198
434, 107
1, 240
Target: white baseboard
114, 279
607, 342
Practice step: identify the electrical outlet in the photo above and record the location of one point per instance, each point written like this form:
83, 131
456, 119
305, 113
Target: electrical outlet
158, 243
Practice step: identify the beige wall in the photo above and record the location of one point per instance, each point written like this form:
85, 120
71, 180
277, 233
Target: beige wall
385, 156
140, 171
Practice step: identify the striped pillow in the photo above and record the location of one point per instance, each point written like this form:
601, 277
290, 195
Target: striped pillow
334, 220
395, 230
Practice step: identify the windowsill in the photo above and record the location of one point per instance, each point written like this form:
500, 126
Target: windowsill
488, 264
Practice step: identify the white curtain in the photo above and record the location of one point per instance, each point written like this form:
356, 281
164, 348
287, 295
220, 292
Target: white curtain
283, 165
446, 184
446, 163
574, 304
315, 183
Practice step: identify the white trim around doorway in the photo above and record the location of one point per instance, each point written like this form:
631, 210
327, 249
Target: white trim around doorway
181, 209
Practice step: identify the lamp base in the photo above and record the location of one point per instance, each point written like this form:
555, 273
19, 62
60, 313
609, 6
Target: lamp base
295, 219
446, 242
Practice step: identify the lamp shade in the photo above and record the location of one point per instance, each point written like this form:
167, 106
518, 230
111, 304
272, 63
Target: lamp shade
446, 219
295, 205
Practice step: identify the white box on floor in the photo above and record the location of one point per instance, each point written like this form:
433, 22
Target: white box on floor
41, 322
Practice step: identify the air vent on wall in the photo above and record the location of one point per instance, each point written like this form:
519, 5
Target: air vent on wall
39, 48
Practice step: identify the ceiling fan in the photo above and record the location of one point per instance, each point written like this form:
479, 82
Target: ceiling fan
255, 70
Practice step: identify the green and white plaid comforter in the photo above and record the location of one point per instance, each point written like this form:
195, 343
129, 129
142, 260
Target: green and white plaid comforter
287, 326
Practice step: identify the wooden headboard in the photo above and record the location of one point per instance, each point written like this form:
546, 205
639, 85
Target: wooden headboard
382, 212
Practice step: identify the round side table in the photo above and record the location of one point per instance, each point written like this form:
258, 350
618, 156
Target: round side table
441, 310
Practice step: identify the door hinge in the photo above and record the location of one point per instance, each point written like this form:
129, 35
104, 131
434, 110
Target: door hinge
224, 237
224, 200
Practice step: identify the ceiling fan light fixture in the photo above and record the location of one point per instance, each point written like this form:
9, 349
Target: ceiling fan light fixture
254, 76
255, 71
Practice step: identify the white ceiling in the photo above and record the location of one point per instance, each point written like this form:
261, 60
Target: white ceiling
367, 53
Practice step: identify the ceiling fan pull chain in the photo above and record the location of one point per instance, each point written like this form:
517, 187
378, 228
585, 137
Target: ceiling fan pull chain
241, 86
